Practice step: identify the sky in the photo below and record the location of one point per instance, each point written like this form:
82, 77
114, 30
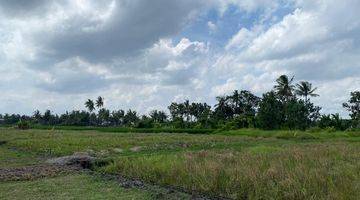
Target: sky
145, 54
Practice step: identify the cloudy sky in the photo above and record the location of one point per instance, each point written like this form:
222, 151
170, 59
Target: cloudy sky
144, 54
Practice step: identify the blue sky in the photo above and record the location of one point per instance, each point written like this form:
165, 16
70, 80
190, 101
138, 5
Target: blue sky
144, 54
228, 23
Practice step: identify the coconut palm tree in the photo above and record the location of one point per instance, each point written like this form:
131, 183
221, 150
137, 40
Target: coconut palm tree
187, 110
100, 102
305, 89
236, 102
37, 116
284, 87
223, 110
158, 116
89, 104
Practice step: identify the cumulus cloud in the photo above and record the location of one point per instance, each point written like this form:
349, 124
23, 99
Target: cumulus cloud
212, 26
249, 5
307, 43
24, 8
101, 30
74, 76
138, 54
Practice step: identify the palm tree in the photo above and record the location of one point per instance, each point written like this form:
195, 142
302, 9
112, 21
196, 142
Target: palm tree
162, 116
158, 116
37, 116
89, 104
236, 100
187, 110
100, 102
305, 89
284, 87
222, 109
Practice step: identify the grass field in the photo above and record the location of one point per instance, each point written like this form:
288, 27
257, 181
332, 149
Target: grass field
243, 164
68, 187
125, 129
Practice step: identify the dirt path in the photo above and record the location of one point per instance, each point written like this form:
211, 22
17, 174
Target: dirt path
35, 172
163, 192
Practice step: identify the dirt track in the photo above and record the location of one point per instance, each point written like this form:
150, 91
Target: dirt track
34, 172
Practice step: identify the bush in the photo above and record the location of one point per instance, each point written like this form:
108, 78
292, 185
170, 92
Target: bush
295, 135
315, 129
23, 125
330, 129
145, 123
335, 121
354, 133
231, 125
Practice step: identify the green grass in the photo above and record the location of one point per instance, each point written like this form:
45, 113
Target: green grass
13, 158
285, 134
57, 143
242, 164
314, 171
69, 187
124, 129
61, 142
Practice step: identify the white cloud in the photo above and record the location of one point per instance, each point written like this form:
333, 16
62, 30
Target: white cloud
225, 88
212, 26
307, 43
55, 54
248, 5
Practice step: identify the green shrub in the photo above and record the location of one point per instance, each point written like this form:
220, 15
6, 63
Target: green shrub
315, 129
353, 132
231, 125
330, 129
285, 135
295, 135
23, 125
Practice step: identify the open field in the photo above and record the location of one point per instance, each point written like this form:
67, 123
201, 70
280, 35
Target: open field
243, 164
68, 187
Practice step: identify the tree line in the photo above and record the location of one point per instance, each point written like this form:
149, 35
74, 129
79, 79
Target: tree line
287, 106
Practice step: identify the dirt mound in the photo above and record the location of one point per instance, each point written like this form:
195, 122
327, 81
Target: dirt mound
34, 172
80, 158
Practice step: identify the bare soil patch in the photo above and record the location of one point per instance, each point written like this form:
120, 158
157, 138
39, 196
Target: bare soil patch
35, 172
162, 192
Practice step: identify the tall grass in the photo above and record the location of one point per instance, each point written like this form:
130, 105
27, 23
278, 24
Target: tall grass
243, 164
287, 134
311, 172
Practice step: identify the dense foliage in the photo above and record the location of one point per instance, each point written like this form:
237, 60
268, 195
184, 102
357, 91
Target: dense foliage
353, 106
287, 106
